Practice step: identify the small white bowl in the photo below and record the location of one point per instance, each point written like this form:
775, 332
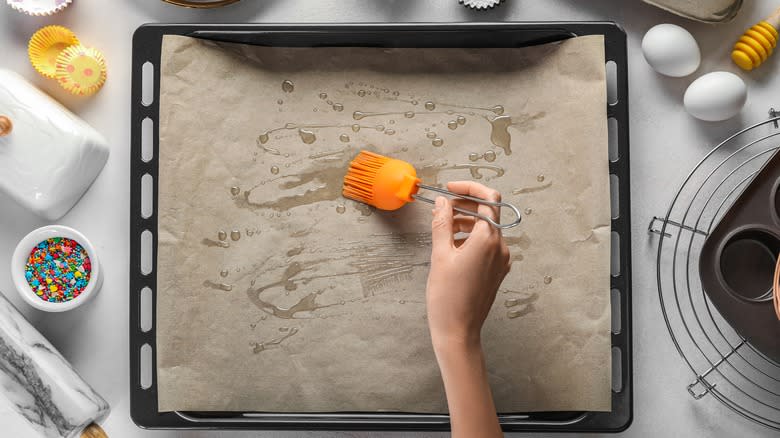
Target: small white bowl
19, 263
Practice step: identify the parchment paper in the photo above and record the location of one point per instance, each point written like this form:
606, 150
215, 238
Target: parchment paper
276, 294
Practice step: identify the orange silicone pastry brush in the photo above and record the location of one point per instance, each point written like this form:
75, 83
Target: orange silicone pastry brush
389, 184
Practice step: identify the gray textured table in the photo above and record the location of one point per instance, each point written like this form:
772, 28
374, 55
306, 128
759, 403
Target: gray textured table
665, 144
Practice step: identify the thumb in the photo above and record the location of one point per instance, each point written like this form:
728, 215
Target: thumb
441, 226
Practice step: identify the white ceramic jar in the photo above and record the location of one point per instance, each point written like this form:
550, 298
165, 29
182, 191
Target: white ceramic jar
48, 156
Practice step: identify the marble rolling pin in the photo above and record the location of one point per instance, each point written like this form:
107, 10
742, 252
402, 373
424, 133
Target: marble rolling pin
42, 395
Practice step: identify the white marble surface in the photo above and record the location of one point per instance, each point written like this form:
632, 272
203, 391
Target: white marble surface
666, 143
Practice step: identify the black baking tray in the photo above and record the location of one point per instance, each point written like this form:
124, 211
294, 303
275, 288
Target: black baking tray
147, 42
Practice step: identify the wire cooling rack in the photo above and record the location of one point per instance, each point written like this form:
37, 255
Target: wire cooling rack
724, 365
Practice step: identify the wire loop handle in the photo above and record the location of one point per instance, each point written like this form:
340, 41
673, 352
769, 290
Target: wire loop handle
473, 213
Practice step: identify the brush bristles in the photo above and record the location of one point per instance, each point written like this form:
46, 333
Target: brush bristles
361, 176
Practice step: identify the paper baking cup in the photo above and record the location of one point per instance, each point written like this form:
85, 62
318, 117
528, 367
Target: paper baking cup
46, 45
81, 70
39, 7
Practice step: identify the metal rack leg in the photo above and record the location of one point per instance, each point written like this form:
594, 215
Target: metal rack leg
652, 229
701, 379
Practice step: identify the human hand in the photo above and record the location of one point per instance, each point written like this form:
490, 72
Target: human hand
464, 274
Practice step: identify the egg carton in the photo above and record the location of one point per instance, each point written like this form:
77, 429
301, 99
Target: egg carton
707, 11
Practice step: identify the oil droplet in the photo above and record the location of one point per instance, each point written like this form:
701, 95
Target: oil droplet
340, 209
396, 93
475, 169
474, 156
431, 135
286, 164
307, 136
342, 302
385, 90
490, 156
499, 135
379, 128
274, 170
263, 138
437, 142
414, 102
221, 235
461, 120
409, 114
235, 191
358, 115
361, 93
528, 210
249, 232
288, 86
390, 131
547, 279
498, 110
224, 273
355, 128
280, 101
329, 102
430, 106
218, 286
235, 235
540, 178
338, 107
323, 96
391, 122
452, 124
401, 301
344, 138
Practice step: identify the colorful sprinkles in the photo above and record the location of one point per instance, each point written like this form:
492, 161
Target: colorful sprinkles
58, 269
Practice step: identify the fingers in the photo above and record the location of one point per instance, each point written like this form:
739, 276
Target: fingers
442, 226
463, 204
474, 189
463, 224
480, 191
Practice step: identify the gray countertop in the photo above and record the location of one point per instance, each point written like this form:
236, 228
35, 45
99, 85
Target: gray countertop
665, 144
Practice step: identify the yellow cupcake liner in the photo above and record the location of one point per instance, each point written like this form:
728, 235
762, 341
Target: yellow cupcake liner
45, 46
81, 70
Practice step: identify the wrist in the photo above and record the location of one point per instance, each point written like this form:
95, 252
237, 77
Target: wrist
454, 346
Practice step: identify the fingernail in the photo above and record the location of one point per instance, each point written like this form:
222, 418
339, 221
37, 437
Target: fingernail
440, 201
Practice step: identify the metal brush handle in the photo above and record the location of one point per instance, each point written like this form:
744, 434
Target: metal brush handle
473, 213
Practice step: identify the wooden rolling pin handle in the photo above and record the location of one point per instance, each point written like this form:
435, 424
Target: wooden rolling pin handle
6, 126
774, 19
93, 431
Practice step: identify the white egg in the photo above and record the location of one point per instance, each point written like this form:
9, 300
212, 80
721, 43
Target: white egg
715, 96
671, 50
